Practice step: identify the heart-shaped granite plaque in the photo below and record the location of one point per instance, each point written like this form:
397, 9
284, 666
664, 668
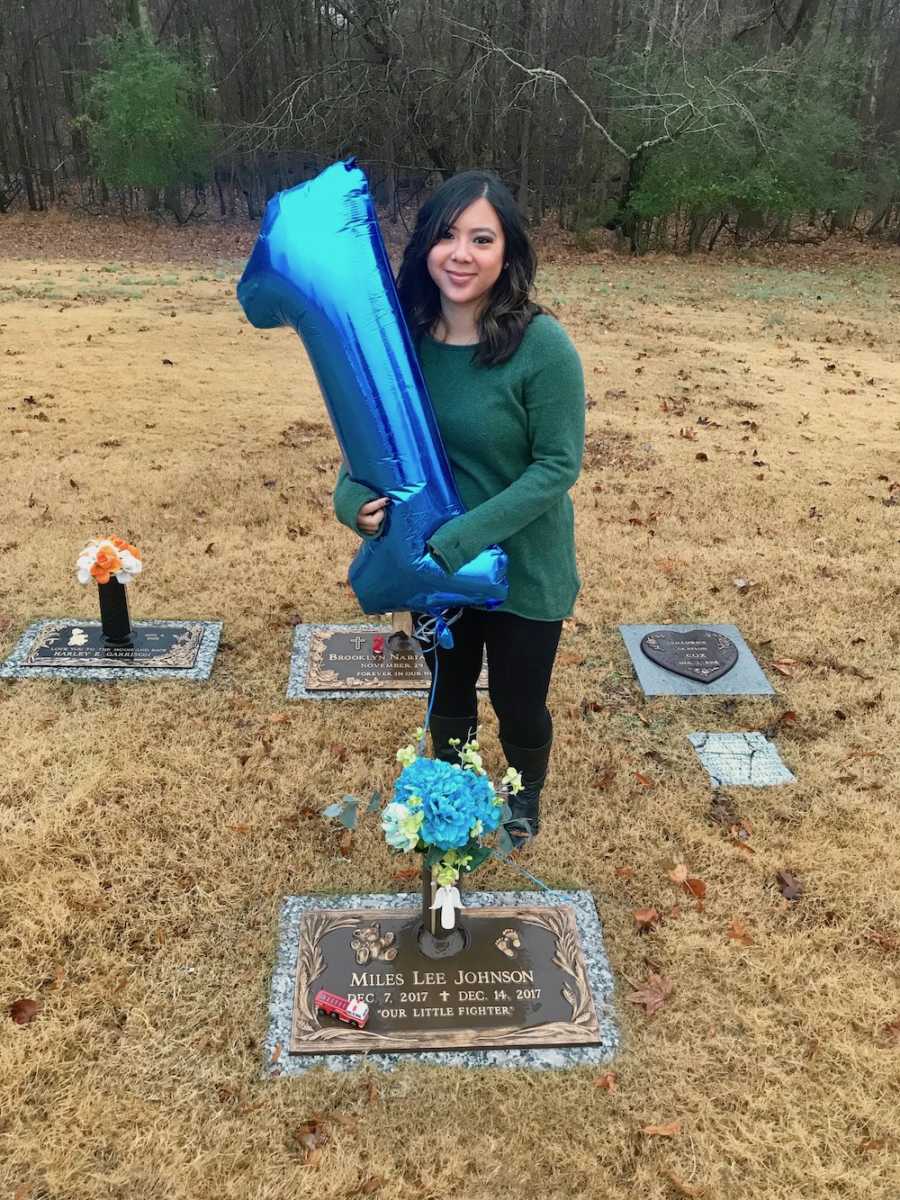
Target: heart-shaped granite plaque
702, 654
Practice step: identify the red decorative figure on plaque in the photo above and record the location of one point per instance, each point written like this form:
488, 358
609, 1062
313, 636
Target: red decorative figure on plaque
351, 1012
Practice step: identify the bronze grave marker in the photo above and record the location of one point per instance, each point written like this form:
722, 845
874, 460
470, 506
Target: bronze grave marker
351, 660
702, 654
520, 981
72, 643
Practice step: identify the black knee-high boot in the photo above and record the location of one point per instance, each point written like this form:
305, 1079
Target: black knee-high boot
445, 728
532, 763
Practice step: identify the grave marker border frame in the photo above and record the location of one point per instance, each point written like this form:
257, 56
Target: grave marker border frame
12, 667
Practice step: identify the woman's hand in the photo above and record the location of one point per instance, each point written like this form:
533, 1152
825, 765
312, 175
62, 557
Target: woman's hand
371, 515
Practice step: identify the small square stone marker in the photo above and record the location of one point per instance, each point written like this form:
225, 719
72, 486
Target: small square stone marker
744, 678
740, 760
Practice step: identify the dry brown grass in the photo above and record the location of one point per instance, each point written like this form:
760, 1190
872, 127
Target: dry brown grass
148, 833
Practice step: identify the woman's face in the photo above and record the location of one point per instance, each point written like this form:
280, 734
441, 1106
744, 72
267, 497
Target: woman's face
466, 260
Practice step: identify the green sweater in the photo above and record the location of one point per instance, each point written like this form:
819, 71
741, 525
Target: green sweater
514, 434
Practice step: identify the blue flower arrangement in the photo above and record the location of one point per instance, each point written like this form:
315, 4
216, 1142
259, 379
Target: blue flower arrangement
445, 809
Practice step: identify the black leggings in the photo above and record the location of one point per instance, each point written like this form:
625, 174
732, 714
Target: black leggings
520, 655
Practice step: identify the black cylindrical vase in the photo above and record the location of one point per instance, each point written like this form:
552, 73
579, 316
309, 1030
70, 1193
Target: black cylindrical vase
434, 940
114, 613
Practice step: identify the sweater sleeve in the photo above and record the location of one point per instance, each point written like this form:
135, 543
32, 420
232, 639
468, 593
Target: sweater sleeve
348, 497
553, 396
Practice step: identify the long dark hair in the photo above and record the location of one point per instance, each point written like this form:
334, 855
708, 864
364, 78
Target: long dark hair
509, 307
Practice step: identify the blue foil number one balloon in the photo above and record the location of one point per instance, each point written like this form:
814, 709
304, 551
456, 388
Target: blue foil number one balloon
320, 265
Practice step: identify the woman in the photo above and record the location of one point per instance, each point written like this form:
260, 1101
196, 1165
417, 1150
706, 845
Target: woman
508, 393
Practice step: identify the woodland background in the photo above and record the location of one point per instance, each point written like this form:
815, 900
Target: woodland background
675, 122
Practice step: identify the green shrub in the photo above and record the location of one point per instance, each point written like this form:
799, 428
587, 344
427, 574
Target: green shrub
142, 123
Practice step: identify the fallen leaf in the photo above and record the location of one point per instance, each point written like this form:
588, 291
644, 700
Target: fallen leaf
345, 843
646, 918
624, 872
406, 874
738, 932
871, 1144
55, 981
24, 1011
739, 844
276, 1053
886, 941
791, 887
741, 830
311, 1136
890, 1033
785, 666
279, 718
643, 780
371, 1185
604, 778
672, 1129
857, 754
607, 1081
696, 887
653, 994
568, 659
679, 874
685, 1189
239, 828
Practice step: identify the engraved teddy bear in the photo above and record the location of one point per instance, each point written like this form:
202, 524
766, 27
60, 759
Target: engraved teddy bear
370, 944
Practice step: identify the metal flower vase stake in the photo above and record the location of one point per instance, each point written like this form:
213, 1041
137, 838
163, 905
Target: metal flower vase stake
441, 935
444, 811
112, 563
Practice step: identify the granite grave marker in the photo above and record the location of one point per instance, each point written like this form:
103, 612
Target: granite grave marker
719, 651
351, 662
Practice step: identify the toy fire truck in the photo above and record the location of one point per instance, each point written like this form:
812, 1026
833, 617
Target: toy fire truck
351, 1012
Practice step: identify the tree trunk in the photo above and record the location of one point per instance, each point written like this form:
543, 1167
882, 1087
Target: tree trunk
24, 165
528, 115
631, 225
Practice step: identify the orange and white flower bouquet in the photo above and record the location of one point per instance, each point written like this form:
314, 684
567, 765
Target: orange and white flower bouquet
105, 558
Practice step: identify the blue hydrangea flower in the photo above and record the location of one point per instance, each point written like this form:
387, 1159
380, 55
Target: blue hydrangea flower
454, 800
